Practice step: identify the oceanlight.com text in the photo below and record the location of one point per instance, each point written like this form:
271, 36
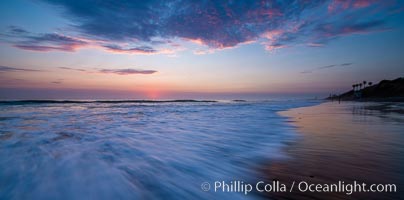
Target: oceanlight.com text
296, 186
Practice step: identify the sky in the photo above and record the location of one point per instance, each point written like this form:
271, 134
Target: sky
164, 49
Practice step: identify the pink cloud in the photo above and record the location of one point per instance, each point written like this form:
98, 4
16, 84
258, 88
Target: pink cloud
44, 48
338, 5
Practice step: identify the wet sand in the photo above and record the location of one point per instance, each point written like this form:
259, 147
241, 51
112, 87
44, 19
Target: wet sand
351, 141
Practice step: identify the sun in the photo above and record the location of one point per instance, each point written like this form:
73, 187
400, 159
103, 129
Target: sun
152, 92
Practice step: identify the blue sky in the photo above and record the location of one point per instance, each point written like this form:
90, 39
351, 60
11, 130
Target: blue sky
196, 49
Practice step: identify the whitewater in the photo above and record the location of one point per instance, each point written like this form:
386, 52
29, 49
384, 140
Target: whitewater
137, 149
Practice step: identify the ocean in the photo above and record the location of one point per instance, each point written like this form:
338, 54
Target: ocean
137, 149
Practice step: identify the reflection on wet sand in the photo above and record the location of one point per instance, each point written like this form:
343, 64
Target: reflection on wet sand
343, 142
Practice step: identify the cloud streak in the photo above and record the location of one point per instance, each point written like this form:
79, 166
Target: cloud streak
74, 69
136, 50
324, 67
126, 71
44, 42
14, 69
23, 39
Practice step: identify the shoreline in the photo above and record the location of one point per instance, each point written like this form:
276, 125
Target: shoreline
341, 142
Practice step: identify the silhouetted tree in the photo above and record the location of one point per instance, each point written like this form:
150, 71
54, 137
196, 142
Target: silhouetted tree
360, 86
370, 83
364, 84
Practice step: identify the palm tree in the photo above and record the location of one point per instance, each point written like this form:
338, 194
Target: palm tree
364, 84
370, 83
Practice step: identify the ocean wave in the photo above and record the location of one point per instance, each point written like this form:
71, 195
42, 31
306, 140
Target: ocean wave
104, 150
21, 102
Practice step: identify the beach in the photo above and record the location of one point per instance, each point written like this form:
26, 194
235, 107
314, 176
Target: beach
350, 141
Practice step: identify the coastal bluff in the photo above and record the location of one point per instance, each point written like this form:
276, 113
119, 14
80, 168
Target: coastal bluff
385, 90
